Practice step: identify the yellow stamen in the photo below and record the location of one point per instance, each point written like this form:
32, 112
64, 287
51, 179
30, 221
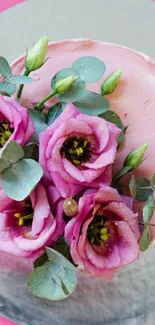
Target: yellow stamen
17, 215
85, 143
104, 231
76, 162
75, 144
79, 151
20, 222
104, 237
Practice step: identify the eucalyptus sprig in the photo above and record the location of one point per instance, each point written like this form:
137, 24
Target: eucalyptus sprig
142, 190
19, 174
8, 85
72, 81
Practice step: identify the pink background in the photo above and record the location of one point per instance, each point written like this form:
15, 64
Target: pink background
5, 4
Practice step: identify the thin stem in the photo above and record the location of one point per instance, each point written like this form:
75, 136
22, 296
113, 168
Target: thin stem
41, 104
26, 73
150, 224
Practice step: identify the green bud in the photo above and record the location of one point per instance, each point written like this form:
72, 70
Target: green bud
36, 56
135, 158
64, 84
111, 83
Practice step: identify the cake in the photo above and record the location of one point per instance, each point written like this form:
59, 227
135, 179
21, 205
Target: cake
133, 101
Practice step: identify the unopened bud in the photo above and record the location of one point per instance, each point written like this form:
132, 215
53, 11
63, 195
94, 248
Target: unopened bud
70, 207
135, 158
36, 56
111, 83
64, 84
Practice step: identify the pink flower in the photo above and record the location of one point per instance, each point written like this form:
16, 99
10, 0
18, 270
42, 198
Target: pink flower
104, 234
27, 226
15, 123
77, 151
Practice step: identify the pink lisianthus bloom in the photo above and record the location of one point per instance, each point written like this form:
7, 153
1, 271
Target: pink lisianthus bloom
104, 233
15, 123
78, 151
26, 227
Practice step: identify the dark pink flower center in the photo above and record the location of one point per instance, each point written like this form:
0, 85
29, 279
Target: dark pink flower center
5, 132
77, 150
25, 216
102, 231
98, 232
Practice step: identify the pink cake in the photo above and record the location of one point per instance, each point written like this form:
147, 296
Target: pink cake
133, 100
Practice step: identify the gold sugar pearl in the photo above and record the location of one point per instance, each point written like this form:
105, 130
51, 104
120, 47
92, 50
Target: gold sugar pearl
70, 207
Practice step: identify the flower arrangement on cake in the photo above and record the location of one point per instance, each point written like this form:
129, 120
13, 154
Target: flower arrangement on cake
62, 205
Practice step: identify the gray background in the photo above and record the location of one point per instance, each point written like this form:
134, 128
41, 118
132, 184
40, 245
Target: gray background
128, 22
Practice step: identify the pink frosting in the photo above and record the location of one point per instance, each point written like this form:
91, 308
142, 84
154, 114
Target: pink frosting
133, 100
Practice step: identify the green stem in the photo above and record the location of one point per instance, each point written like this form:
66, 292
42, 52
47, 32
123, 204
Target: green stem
26, 73
41, 104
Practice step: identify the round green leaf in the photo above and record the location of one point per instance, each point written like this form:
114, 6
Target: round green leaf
7, 89
5, 70
39, 123
76, 89
145, 239
19, 180
54, 280
140, 189
112, 117
91, 103
17, 80
11, 153
148, 210
89, 68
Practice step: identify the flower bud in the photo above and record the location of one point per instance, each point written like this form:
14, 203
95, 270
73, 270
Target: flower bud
36, 56
135, 158
64, 84
111, 83
70, 207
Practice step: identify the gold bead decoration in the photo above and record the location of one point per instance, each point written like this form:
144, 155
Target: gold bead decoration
70, 207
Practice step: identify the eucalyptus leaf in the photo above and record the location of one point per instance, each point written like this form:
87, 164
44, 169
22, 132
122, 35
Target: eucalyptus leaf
5, 70
140, 189
7, 89
76, 89
121, 136
41, 260
31, 150
112, 117
10, 154
91, 103
145, 239
39, 123
89, 68
148, 210
17, 80
152, 181
54, 280
20, 179
54, 112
